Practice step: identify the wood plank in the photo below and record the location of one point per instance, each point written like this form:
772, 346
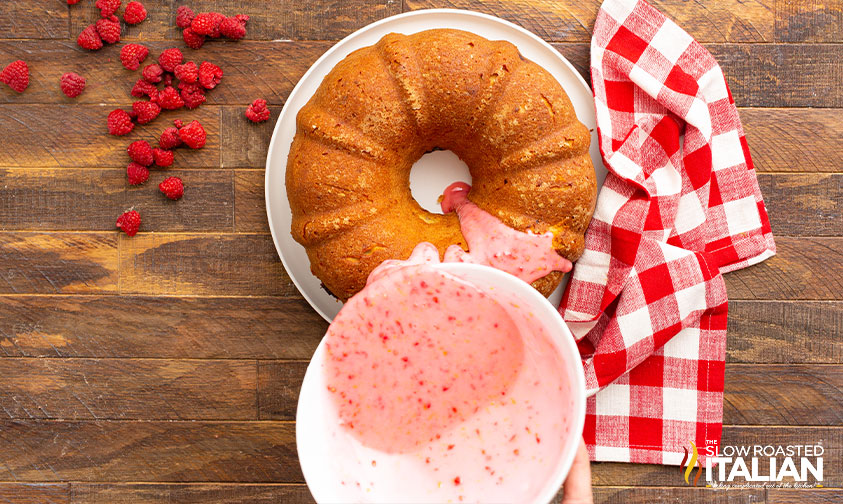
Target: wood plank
250, 210
270, 20
707, 20
34, 493
794, 140
200, 493
244, 144
76, 136
799, 271
92, 199
785, 332
34, 19
98, 389
96, 326
809, 20
203, 264
804, 205
278, 389
804, 496
58, 263
629, 495
133, 451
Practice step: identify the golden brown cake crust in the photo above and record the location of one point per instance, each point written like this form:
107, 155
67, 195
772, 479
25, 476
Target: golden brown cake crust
382, 107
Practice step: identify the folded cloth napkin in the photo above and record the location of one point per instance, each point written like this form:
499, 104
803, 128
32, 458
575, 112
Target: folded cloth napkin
679, 207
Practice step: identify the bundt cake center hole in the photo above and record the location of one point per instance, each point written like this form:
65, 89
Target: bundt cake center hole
432, 173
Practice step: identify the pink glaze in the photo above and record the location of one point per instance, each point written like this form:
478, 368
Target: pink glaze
491, 242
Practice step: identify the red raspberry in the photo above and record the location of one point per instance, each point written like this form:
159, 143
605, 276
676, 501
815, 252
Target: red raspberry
129, 222
169, 139
172, 187
137, 173
72, 84
232, 28
119, 122
192, 40
135, 13
188, 72
192, 94
109, 29
169, 58
152, 73
168, 79
257, 111
163, 157
207, 23
16, 75
140, 152
184, 16
143, 88
72, 2
89, 39
132, 55
169, 99
209, 75
146, 111
193, 135
107, 7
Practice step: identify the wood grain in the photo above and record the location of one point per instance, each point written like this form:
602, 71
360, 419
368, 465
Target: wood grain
58, 263
34, 19
812, 496
278, 389
206, 264
201, 493
627, 495
160, 327
794, 140
35, 493
171, 451
804, 205
809, 20
250, 210
244, 144
102, 389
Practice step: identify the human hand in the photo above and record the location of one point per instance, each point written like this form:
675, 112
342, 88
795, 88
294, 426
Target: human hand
577, 487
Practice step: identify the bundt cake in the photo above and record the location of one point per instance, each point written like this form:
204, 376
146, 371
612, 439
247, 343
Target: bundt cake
384, 106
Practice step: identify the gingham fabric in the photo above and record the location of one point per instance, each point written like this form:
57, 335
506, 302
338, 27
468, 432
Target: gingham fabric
680, 206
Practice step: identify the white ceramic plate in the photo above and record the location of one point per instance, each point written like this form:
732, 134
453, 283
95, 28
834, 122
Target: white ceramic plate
426, 188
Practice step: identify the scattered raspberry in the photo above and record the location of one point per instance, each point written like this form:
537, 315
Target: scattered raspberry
107, 7
192, 94
172, 187
134, 13
193, 135
16, 75
145, 111
132, 55
169, 139
140, 152
184, 16
152, 73
257, 111
193, 40
168, 79
129, 222
187, 72
209, 75
109, 29
137, 173
143, 88
169, 58
72, 84
72, 2
207, 23
169, 99
233, 28
119, 122
89, 39
163, 157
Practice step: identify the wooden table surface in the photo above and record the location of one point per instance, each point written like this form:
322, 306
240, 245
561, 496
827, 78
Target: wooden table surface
166, 367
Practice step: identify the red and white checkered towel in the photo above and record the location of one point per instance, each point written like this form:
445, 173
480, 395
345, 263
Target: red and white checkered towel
647, 301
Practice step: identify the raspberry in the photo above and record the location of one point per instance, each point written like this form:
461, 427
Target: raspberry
72, 2
89, 39
129, 222
109, 29
72, 84
168, 79
232, 28
192, 40
135, 13
140, 152
143, 88
163, 157
193, 135
16, 75
119, 122
137, 173
184, 16
257, 111
132, 55
169, 139
169, 99
172, 187
207, 23
145, 111
107, 7
169, 58
187, 72
209, 75
192, 94
152, 73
